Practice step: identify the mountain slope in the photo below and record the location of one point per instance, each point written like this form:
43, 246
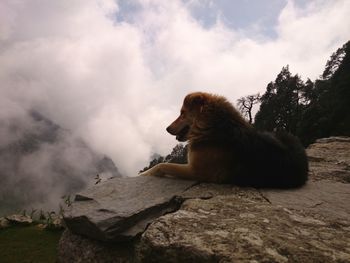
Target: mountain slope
42, 162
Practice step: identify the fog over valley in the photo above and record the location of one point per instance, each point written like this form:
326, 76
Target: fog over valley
42, 162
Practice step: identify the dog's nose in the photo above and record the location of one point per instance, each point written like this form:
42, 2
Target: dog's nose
168, 129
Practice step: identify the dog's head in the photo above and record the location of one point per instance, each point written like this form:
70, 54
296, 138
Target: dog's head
192, 106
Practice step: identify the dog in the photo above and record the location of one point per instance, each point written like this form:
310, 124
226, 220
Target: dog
224, 148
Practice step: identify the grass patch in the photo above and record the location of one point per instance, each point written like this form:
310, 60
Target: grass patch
28, 244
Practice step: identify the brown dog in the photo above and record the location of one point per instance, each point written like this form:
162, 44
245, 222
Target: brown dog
224, 148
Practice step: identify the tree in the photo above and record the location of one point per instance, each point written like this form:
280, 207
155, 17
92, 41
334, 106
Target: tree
307, 92
336, 95
280, 104
265, 117
309, 110
327, 112
334, 62
177, 155
340, 83
245, 105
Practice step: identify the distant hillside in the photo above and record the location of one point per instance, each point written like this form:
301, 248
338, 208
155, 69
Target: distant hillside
42, 162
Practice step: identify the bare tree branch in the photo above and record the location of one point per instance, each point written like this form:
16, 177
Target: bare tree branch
245, 105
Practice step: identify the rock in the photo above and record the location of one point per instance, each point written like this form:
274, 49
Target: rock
121, 208
225, 223
41, 226
333, 139
19, 219
74, 248
329, 159
4, 222
325, 198
54, 224
232, 229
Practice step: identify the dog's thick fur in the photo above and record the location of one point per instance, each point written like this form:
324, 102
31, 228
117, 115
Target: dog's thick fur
224, 148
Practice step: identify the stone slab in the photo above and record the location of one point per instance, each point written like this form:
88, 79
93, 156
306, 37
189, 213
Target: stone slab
121, 208
233, 229
327, 198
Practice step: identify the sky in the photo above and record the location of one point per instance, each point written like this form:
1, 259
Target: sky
115, 72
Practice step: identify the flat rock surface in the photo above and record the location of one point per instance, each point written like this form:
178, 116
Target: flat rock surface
329, 159
121, 208
232, 229
325, 198
225, 223
19, 219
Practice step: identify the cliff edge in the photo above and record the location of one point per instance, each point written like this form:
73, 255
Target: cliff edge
165, 220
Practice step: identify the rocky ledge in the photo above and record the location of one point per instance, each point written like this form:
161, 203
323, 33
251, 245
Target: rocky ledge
165, 220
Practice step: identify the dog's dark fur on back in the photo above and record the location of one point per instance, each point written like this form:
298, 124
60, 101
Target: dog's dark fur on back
225, 148
269, 160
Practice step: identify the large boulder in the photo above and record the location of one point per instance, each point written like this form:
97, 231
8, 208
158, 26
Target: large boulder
233, 229
224, 223
121, 208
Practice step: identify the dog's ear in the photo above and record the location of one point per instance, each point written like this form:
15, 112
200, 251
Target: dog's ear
195, 100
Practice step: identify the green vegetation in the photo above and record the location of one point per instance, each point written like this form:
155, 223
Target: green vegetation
28, 244
310, 110
178, 155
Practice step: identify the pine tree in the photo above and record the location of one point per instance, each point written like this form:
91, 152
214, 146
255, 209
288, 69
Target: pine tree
177, 155
281, 103
339, 90
334, 62
327, 112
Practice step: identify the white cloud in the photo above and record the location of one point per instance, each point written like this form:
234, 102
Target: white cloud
118, 84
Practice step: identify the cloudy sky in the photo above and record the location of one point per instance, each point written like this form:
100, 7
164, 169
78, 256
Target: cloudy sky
116, 72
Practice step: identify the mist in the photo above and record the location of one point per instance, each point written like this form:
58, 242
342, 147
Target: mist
115, 80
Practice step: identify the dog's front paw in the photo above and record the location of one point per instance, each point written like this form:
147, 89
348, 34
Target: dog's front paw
154, 171
145, 173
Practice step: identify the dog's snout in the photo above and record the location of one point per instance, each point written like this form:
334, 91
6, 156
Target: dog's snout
170, 129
